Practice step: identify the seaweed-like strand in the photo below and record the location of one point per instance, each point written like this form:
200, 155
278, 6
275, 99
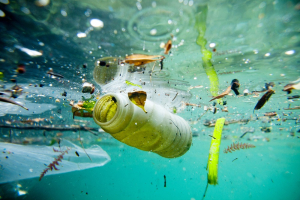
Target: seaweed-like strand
55, 163
238, 146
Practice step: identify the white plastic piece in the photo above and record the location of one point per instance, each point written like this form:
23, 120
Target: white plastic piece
158, 130
246, 92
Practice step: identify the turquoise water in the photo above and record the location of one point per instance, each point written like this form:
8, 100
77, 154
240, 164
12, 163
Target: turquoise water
256, 42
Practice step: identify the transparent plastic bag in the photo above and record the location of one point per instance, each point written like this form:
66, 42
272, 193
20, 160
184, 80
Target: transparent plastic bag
160, 87
22, 162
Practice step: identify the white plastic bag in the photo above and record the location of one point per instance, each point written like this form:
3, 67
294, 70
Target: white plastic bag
22, 162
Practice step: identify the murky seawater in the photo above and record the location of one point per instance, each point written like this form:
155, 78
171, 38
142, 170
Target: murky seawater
49, 48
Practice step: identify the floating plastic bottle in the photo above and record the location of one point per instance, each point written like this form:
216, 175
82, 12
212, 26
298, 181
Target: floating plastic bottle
158, 130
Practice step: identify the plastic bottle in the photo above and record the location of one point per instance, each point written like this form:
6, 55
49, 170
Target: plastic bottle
158, 130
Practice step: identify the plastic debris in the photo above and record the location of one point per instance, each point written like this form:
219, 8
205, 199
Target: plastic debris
24, 162
157, 131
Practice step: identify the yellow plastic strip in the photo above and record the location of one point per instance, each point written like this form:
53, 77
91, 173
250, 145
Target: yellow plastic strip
133, 84
200, 25
213, 158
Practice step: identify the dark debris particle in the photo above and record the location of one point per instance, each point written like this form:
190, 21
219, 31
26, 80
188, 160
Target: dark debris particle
86, 193
294, 97
64, 94
77, 154
215, 110
41, 85
102, 63
6, 157
84, 65
266, 129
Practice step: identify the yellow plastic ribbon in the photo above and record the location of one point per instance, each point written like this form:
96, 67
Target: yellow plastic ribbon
213, 158
200, 25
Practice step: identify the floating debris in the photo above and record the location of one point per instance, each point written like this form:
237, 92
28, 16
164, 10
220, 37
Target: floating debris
141, 59
59, 134
225, 109
72, 127
6, 100
233, 86
83, 108
53, 165
42, 3
88, 88
266, 129
194, 87
54, 75
232, 72
21, 69
238, 146
33, 120
247, 131
13, 80
295, 108
175, 96
162, 64
192, 104
294, 97
269, 85
174, 110
211, 123
292, 86
270, 114
133, 84
226, 92
138, 98
264, 99
16, 91
246, 92
168, 46
213, 157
